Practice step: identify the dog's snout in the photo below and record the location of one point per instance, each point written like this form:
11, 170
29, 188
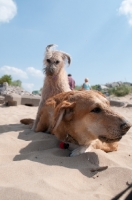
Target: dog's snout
125, 126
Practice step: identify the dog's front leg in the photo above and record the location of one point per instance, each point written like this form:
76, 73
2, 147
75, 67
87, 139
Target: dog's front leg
37, 116
80, 150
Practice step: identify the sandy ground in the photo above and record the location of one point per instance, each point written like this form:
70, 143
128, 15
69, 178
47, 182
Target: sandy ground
33, 167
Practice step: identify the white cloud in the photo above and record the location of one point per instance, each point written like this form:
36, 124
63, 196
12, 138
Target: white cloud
8, 10
126, 9
28, 86
34, 72
15, 72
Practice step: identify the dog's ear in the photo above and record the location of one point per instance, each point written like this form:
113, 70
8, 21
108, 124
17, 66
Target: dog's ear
68, 109
66, 56
50, 47
107, 101
63, 111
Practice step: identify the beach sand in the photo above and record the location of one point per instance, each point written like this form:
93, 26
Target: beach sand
33, 167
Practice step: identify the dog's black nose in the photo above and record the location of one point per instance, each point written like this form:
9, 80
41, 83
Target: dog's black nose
125, 126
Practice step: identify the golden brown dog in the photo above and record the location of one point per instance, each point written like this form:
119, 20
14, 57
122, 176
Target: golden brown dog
81, 117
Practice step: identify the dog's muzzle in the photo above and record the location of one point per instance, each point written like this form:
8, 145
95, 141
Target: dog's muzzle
124, 127
109, 140
50, 70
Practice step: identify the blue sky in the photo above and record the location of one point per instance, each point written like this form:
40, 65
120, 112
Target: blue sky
96, 33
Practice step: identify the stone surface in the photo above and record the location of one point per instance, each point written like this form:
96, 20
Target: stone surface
2, 99
10, 98
116, 103
30, 101
15, 90
129, 105
14, 95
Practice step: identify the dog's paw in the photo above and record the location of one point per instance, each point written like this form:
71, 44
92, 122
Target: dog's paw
79, 151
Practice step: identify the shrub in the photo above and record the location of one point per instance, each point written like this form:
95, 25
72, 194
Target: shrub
77, 87
120, 91
16, 83
6, 78
96, 87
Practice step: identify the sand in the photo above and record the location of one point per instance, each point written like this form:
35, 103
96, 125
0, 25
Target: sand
33, 167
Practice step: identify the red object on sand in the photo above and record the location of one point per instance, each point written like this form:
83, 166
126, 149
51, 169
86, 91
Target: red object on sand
64, 145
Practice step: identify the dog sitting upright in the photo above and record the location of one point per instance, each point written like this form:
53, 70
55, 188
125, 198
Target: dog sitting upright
81, 117
56, 80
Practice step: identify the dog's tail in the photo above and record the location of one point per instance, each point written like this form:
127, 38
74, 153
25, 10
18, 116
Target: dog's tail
27, 121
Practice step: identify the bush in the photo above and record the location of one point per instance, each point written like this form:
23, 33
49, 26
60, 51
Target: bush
77, 87
120, 91
96, 87
16, 83
6, 78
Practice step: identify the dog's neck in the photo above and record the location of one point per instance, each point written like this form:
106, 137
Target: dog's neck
55, 84
55, 77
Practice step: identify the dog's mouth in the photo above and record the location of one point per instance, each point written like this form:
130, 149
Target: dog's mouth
49, 71
109, 140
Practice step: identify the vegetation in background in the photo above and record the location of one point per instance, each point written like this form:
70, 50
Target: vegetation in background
16, 83
121, 90
118, 91
96, 87
8, 79
36, 92
77, 87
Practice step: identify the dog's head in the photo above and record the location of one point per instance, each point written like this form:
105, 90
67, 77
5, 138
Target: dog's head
87, 115
54, 60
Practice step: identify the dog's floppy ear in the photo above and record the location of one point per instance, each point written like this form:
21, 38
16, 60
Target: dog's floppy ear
107, 101
63, 111
66, 56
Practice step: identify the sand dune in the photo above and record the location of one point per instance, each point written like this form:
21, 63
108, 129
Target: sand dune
32, 166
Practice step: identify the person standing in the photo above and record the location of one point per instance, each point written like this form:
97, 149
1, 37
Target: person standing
71, 82
86, 85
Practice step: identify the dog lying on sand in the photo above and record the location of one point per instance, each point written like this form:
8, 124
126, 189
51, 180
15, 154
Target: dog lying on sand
81, 117
56, 80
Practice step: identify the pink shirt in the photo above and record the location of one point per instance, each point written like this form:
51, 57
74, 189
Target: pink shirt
71, 82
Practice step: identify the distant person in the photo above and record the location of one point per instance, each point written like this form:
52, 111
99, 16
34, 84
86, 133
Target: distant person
71, 82
86, 85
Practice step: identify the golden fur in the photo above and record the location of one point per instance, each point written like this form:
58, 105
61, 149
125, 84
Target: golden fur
82, 117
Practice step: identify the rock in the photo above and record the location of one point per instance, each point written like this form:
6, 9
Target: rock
117, 103
114, 84
3, 87
2, 99
7, 90
15, 95
129, 105
103, 87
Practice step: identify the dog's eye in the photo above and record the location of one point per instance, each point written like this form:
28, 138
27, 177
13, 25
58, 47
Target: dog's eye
57, 62
48, 60
96, 110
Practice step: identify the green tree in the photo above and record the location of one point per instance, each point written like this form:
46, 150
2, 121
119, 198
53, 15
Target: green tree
96, 87
6, 78
16, 83
78, 87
